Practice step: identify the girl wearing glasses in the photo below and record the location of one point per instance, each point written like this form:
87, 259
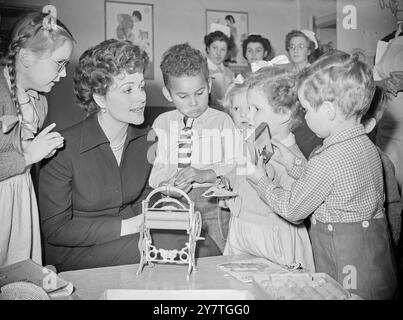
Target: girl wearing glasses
39, 50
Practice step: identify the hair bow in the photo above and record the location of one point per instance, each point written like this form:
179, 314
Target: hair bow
49, 22
239, 79
257, 65
311, 36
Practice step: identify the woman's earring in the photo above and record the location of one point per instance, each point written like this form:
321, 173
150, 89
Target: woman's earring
103, 110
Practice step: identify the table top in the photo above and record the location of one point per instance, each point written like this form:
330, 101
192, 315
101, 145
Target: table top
91, 283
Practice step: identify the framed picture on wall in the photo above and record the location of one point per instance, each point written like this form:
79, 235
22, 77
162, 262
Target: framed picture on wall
133, 22
238, 24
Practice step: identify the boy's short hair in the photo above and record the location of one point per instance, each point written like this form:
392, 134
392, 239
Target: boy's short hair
341, 79
280, 87
182, 60
376, 107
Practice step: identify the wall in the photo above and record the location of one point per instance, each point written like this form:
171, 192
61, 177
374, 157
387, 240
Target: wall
317, 8
373, 24
175, 21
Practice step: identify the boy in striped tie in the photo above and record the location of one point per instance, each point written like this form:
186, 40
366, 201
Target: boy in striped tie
195, 142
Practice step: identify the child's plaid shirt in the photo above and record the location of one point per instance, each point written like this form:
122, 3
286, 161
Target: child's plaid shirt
341, 182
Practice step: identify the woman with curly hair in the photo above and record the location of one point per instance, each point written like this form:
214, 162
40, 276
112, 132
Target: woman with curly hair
90, 194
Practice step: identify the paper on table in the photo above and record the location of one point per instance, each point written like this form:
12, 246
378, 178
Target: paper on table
244, 270
218, 192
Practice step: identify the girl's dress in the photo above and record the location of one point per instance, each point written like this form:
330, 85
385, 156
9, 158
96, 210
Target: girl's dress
255, 229
19, 227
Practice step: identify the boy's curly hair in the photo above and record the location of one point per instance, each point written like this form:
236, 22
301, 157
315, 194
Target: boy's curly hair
98, 66
341, 79
182, 60
280, 88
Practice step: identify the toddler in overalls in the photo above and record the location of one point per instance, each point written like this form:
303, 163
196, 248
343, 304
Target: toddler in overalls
341, 184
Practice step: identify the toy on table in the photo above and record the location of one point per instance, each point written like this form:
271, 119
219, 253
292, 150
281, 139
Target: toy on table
259, 143
169, 213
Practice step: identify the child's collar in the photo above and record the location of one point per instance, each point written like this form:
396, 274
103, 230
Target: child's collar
347, 134
289, 140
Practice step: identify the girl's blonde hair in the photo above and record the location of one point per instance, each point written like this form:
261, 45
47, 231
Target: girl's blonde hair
232, 90
40, 33
280, 88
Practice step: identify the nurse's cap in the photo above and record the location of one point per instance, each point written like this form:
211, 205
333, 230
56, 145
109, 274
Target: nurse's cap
220, 27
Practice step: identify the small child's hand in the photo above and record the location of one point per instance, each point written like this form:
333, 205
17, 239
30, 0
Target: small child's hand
257, 171
190, 174
282, 154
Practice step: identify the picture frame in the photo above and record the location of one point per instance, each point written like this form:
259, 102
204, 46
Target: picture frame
134, 22
239, 32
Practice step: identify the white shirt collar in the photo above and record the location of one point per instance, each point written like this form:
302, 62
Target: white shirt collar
289, 140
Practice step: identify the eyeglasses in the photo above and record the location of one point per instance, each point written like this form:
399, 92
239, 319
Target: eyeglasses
61, 64
299, 46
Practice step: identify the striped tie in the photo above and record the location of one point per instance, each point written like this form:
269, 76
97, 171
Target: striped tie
185, 144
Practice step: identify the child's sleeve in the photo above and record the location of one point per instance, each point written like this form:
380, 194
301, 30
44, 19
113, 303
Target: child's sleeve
11, 162
306, 194
298, 168
163, 167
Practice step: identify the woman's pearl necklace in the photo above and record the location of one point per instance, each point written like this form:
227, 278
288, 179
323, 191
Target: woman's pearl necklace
120, 145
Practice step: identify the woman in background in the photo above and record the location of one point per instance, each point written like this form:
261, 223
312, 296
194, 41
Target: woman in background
301, 46
217, 44
255, 48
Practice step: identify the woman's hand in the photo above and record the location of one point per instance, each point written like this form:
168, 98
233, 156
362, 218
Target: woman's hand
43, 145
190, 174
131, 225
282, 154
